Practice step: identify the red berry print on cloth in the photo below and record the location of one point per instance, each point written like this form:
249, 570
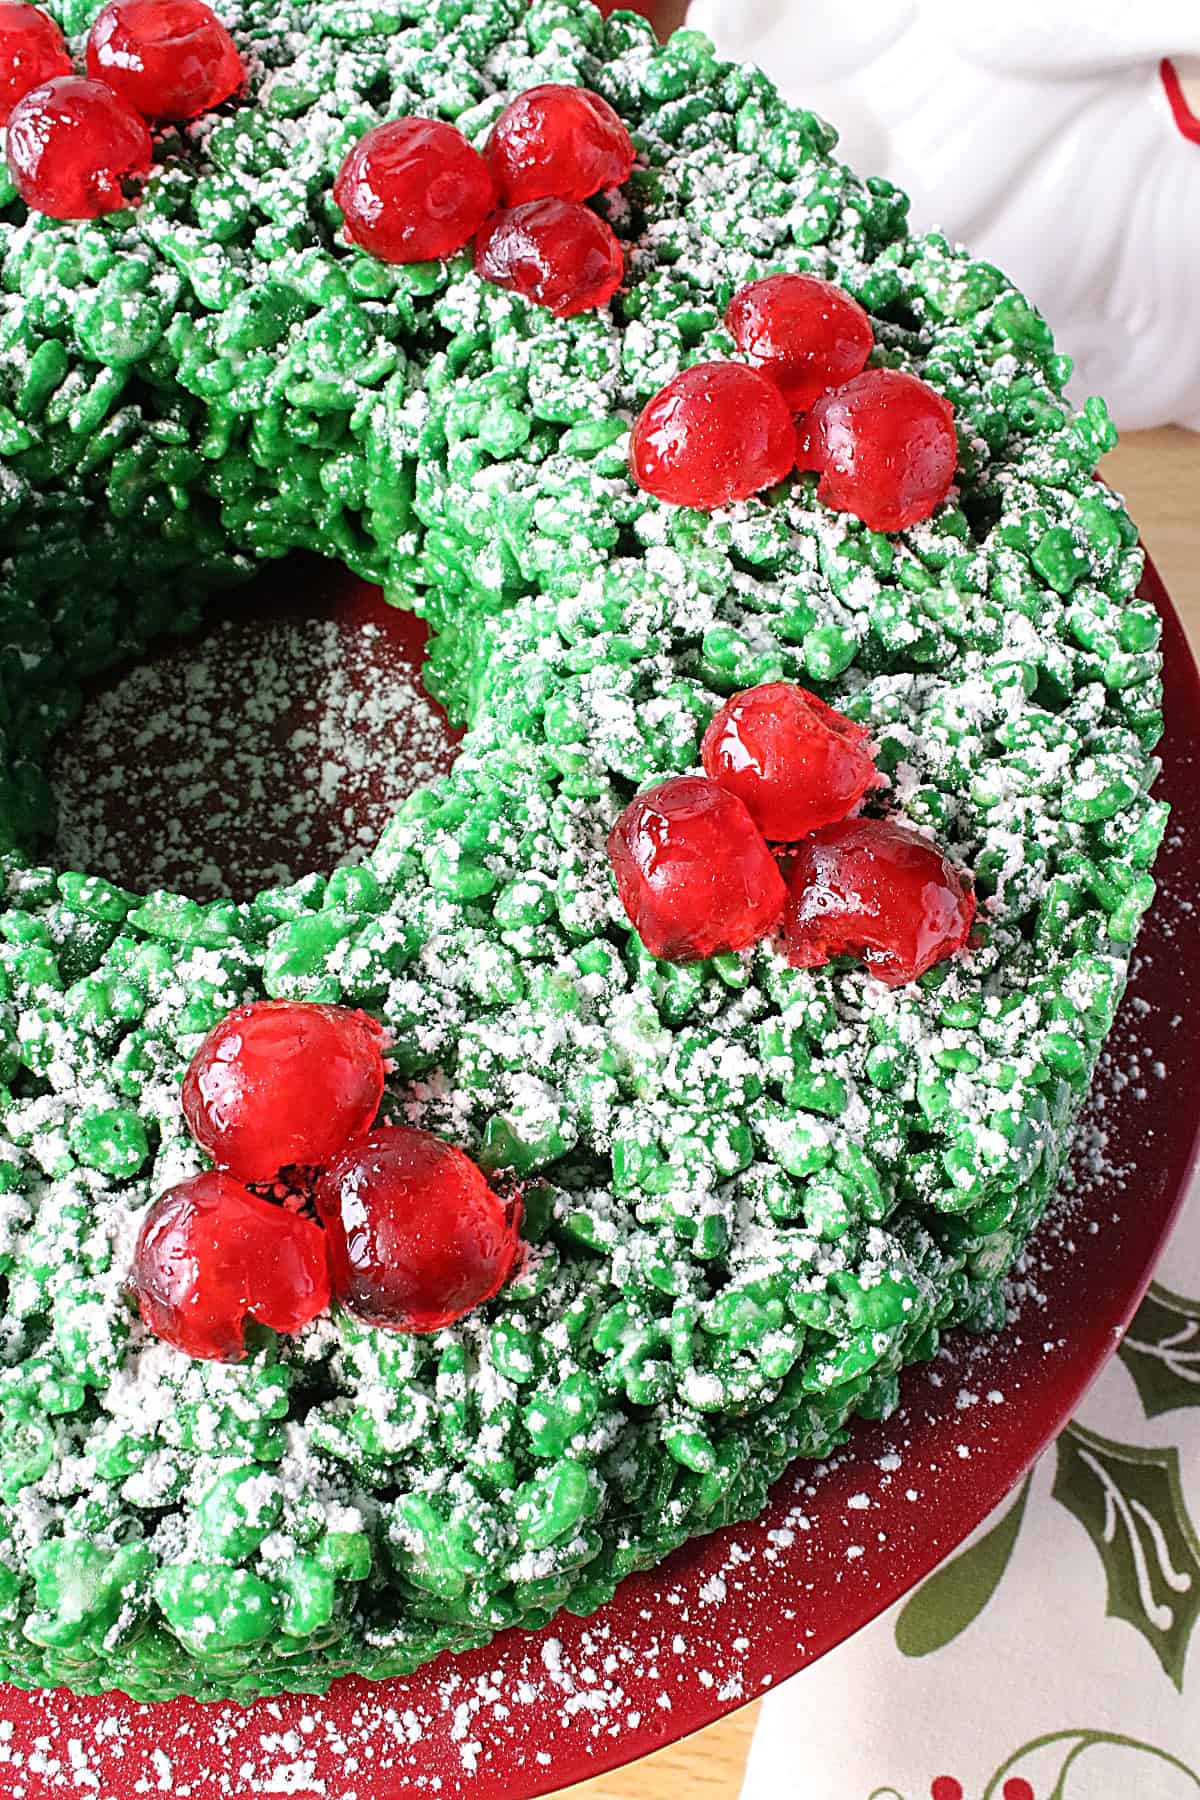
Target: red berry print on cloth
944, 1787
558, 142
76, 149
871, 888
417, 1238
413, 190
32, 51
170, 59
1017, 1788
885, 448
807, 335
557, 253
210, 1254
282, 1084
717, 433
794, 762
693, 872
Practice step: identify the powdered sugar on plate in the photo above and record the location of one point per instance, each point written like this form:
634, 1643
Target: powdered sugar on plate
269, 746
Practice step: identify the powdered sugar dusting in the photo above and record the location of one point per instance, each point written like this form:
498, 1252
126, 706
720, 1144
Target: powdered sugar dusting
269, 747
710, 1629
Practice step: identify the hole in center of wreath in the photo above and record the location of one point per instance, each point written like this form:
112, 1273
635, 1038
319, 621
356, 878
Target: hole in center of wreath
277, 740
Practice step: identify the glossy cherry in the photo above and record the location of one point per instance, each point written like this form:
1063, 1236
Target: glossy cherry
413, 190
717, 433
874, 889
416, 1236
32, 51
693, 871
557, 253
807, 335
76, 149
210, 1254
170, 59
281, 1084
792, 760
885, 447
558, 142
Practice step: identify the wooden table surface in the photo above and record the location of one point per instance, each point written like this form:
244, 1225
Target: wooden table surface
1159, 474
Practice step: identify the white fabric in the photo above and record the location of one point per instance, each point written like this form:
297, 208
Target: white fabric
1039, 133
1041, 1660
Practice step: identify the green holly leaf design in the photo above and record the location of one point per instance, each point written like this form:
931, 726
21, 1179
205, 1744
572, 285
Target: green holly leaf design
956, 1594
1161, 1350
1129, 1500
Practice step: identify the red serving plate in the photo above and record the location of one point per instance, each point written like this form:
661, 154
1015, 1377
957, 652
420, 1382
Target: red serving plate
734, 1613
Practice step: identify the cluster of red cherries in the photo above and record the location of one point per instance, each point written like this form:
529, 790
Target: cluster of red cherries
414, 190
692, 856
79, 145
283, 1096
882, 441
697, 874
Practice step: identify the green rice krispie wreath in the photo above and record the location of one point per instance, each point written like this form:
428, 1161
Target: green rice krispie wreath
754, 1192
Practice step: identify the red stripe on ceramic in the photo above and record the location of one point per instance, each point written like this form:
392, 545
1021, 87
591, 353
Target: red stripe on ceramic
1181, 108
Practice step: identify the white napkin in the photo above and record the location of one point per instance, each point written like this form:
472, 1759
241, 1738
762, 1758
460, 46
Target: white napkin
1068, 1676
1041, 133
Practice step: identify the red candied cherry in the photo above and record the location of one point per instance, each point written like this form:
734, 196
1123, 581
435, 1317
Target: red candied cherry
718, 432
558, 142
282, 1084
76, 149
416, 1236
32, 51
807, 335
210, 1254
873, 889
793, 761
557, 253
885, 446
693, 871
413, 190
170, 59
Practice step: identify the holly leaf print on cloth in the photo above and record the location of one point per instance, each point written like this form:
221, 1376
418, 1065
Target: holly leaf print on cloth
1129, 1500
1101, 1759
956, 1594
1058, 1757
1161, 1350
